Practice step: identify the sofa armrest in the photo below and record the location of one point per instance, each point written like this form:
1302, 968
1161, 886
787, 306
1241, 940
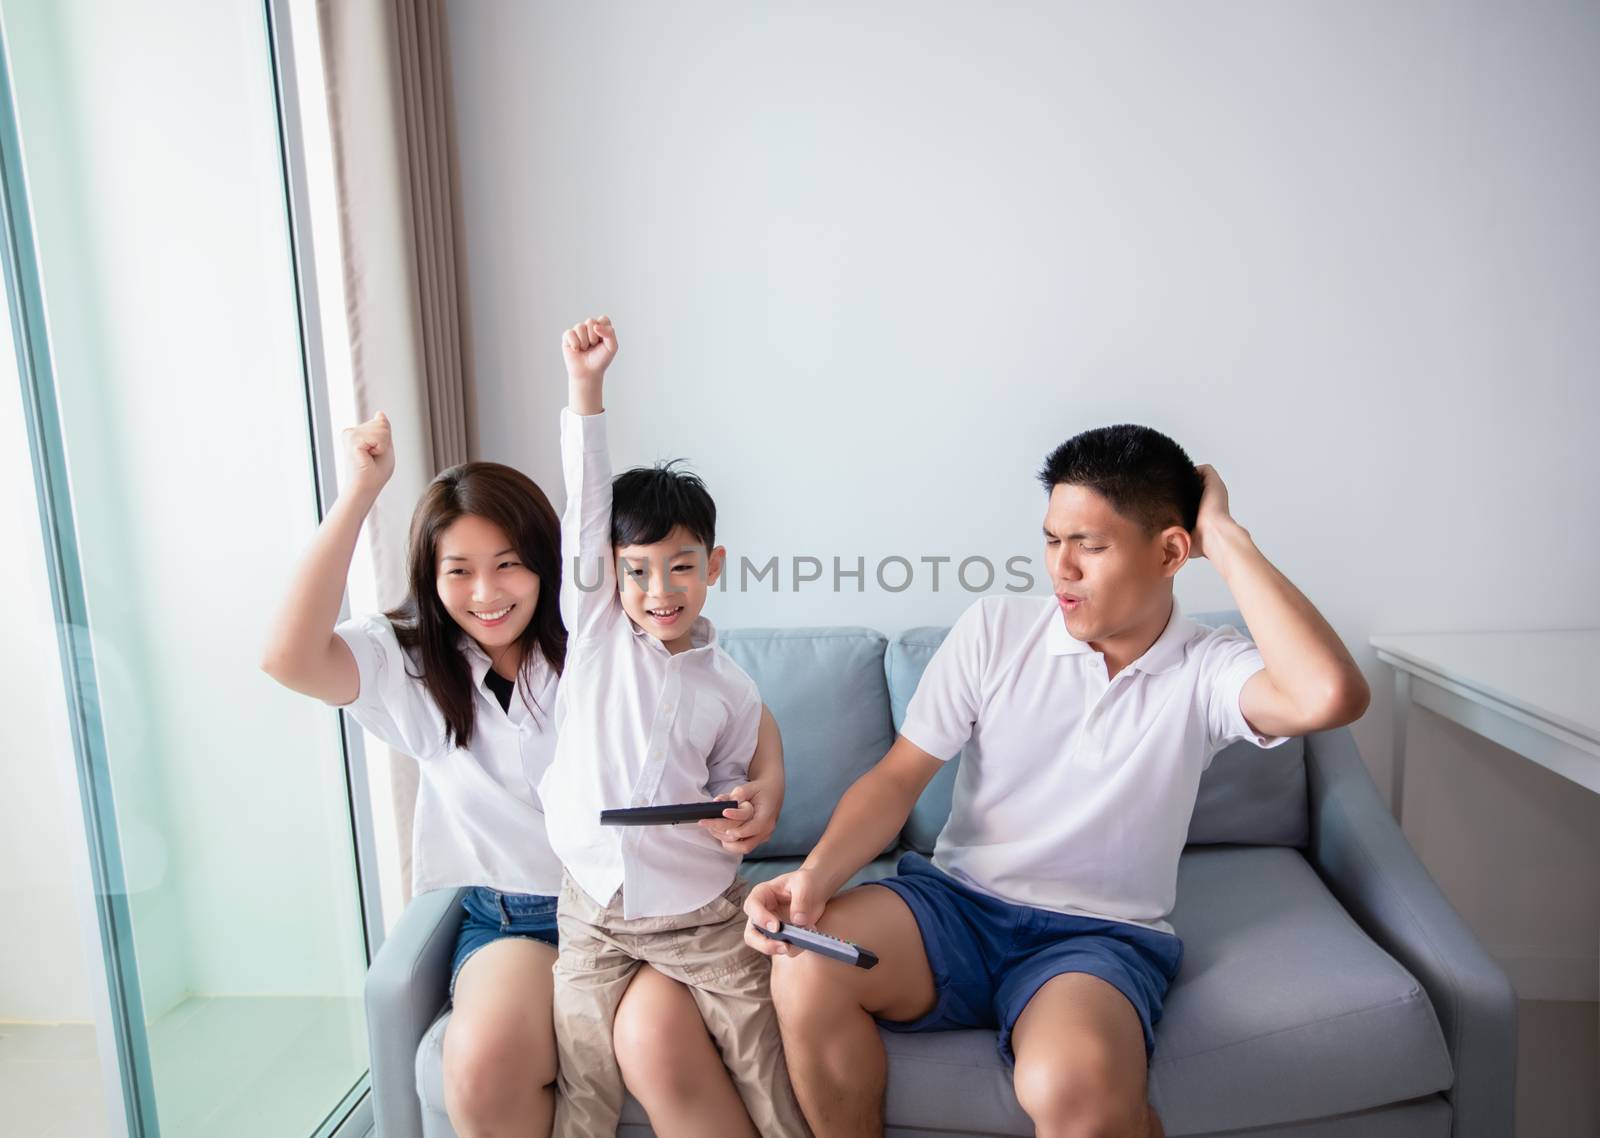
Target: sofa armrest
1361, 853
406, 989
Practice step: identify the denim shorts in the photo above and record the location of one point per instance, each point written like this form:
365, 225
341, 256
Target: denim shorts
990, 957
492, 915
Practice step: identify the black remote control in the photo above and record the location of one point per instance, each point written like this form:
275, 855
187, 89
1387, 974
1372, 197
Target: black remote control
813, 941
664, 815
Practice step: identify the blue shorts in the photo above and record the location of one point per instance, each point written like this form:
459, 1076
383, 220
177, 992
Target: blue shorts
492, 915
989, 957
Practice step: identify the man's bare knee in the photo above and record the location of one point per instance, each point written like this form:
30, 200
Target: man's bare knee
1079, 1097
807, 993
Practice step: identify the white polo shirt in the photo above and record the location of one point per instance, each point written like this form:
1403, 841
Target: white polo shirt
637, 725
478, 820
1074, 792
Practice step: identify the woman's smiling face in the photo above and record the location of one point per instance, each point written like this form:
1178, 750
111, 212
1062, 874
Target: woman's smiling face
483, 583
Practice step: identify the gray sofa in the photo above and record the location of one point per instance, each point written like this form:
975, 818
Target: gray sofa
1327, 987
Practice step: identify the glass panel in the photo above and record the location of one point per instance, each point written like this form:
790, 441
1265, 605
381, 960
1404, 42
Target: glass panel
149, 137
50, 1075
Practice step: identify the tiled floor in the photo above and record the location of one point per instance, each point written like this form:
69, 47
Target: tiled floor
229, 1062
241, 1066
50, 1082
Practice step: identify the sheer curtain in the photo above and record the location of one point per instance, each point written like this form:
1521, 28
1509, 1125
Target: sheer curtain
385, 64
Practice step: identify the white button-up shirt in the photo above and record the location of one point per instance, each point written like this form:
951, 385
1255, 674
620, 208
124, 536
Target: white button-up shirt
636, 725
478, 820
1075, 790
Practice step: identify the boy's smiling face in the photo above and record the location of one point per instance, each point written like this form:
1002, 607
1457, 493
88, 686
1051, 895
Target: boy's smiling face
1108, 573
663, 585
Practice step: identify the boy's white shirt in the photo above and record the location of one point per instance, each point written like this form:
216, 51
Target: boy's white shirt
1074, 793
478, 820
636, 725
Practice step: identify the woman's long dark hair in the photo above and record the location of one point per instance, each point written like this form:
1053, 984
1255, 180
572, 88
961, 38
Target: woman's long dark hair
513, 501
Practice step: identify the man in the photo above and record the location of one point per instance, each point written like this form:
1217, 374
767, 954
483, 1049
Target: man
1086, 720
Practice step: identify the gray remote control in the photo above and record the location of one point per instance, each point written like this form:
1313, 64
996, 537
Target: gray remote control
813, 941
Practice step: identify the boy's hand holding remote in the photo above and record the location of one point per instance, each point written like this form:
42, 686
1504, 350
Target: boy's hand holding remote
759, 800
750, 818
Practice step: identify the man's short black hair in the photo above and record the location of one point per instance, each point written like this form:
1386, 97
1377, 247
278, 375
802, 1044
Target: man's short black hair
1145, 476
648, 502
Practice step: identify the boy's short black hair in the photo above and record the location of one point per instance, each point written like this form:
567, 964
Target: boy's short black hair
648, 502
1145, 476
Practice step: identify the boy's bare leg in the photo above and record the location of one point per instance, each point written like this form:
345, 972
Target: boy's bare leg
1081, 1066
730, 983
671, 1065
826, 1010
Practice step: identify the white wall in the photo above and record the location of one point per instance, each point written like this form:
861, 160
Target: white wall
870, 262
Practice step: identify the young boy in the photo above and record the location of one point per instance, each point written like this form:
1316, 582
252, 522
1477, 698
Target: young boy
1084, 721
651, 711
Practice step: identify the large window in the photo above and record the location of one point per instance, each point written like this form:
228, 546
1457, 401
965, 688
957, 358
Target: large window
176, 487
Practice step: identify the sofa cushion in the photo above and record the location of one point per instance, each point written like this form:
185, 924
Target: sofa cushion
1282, 1010
1247, 795
826, 689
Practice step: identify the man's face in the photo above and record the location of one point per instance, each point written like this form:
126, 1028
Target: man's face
1108, 574
663, 585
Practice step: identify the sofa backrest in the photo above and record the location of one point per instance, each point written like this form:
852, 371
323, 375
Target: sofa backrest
840, 693
908, 655
1247, 796
827, 690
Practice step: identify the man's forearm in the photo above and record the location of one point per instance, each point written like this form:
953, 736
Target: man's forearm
1304, 657
863, 825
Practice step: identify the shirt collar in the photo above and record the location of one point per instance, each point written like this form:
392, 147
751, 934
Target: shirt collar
478, 662
1059, 641
1168, 650
477, 659
1162, 656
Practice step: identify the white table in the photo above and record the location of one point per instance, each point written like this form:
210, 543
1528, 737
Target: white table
1535, 693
